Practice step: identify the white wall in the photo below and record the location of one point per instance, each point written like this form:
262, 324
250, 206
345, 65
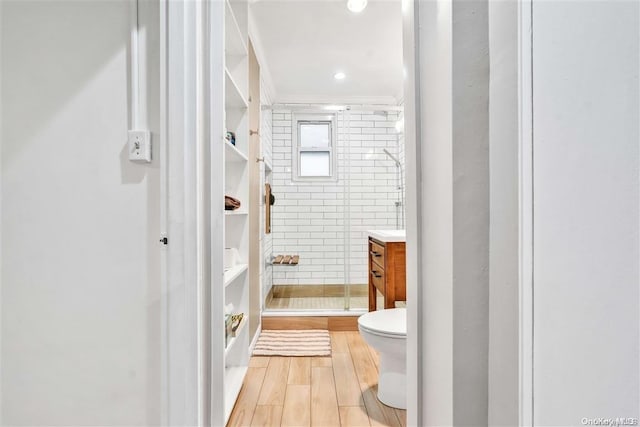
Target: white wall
308, 218
586, 194
80, 223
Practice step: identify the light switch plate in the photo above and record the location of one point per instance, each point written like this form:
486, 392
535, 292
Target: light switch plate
140, 145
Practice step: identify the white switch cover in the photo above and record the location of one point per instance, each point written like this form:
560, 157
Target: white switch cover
140, 145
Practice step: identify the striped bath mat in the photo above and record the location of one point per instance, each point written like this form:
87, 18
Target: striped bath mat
311, 342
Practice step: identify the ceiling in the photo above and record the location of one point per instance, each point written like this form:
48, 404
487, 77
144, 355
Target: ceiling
305, 42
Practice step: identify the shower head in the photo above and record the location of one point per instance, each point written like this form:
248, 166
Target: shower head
394, 158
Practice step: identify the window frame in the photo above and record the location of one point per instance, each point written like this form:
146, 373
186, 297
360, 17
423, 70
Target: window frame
297, 119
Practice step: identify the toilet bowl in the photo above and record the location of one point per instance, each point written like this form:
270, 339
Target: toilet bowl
386, 332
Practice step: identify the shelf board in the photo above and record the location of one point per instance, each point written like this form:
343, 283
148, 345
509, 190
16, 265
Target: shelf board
233, 379
233, 273
233, 98
236, 213
234, 340
234, 42
232, 154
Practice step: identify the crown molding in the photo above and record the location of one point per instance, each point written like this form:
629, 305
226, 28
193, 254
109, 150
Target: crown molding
325, 99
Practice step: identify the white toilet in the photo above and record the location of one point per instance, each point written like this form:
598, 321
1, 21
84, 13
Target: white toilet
386, 331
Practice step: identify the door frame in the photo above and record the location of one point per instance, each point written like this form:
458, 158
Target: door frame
185, 204
187, 376
414, 215
526, 209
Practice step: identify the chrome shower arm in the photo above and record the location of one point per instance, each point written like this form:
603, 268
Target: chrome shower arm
394, 158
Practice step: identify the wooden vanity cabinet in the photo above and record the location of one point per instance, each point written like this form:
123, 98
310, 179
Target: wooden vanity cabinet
387, 272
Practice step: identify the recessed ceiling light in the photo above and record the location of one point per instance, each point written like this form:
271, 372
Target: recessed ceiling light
339, 75
356, 6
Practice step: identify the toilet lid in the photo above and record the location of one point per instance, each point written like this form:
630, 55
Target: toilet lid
385, 322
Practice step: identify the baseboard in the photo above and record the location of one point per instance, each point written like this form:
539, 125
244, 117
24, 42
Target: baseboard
252, 346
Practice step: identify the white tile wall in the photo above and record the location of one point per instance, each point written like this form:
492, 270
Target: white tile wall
309, 219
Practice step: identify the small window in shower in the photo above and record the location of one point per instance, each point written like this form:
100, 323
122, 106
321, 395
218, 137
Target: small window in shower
315, 163
313, 156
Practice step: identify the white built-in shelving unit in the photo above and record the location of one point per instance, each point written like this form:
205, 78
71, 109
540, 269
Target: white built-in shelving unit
235, 289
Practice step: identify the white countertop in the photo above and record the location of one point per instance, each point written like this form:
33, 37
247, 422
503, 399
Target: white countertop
388, 236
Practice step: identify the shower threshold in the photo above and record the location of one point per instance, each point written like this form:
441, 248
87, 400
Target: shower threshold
328, 320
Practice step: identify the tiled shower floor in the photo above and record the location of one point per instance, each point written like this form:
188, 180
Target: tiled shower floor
329, 297
316, 303
317, 297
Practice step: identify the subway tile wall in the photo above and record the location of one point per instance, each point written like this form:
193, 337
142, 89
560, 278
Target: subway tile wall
311, 219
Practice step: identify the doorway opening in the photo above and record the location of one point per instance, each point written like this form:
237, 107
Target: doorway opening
332, 147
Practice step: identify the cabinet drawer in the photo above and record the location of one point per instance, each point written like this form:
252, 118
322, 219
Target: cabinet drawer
377, 278
376, 253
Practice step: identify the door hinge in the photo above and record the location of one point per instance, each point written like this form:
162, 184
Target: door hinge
164, 240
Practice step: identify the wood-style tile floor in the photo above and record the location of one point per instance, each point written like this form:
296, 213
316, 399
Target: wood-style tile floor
316, 391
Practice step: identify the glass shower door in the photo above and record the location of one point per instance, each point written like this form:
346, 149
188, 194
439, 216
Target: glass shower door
307, 217
325, 220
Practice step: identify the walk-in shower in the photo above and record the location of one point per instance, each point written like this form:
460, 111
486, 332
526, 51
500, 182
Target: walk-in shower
330, 189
